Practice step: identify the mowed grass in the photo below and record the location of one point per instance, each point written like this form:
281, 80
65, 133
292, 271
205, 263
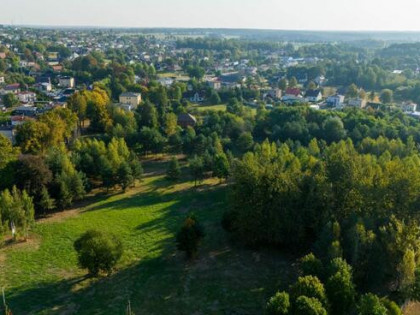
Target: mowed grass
41, 276
218, 107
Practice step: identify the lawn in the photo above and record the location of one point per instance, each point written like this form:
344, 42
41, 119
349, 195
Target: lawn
41, 276
219, 107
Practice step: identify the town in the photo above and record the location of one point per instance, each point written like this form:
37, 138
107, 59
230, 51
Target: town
209, 171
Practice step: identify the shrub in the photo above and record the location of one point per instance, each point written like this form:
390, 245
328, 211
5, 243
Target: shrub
278, 304
98, 251
189, 236
309, 306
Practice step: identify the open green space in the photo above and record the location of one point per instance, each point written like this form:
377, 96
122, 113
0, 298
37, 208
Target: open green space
41, 276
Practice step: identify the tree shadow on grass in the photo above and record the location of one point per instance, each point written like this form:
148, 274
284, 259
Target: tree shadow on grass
223, 280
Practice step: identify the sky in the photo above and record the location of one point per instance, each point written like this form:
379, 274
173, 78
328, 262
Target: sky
360, 15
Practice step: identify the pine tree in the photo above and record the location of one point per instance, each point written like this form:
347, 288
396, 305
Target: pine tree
173, 171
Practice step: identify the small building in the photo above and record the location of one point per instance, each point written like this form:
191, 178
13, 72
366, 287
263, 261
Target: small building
19, 119
215, 84
27, 111
2, 80
409, 107
133, 99
357, 102
2, 55
186, 120
67, 82
336, 100
274, 93
313, 96
27, 97
12, 88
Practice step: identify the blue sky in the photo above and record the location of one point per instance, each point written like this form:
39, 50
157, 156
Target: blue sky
267, 14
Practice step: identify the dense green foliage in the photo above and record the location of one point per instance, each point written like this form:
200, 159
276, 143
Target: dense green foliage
98, 251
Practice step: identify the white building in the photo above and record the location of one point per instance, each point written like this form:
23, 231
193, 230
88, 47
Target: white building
133, 99
336, 101
27, 97
409, 107
67, 82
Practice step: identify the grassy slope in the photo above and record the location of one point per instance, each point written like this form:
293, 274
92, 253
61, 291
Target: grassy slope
41, 275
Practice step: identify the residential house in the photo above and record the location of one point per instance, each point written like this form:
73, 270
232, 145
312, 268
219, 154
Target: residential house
19, 120
28, 111
12, 88
357, 102
274, 93
336, 101
186, 120
215, 84
313, 96
57, 68
133, 99
27, 97
67, 82
292, 95
409, 107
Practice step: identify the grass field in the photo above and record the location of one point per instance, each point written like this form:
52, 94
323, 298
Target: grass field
219, 107
41, 276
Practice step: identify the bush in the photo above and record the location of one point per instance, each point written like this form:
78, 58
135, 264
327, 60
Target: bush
189, 236
173, 171
309, 306
98, 251
278, 304
309, 286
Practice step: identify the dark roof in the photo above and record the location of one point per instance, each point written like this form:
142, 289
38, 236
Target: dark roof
312, 93
186, 118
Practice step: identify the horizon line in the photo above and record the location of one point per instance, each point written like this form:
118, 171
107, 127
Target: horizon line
206, 28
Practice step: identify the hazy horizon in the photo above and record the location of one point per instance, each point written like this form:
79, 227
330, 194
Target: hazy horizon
325, 15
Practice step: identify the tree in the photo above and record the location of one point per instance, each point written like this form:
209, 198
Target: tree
340, 288
221, 168
309, 306
386, 96
173, 172
279, 304
171, 123
196, 72
98, 251
309, 286
10, 100
189, 236
245, 142
333, 128
148, 116
311, 266
352, 91
293, 82
125, 175
311, 85
196, 168
370, 304
46, 202
283, 84
215, 98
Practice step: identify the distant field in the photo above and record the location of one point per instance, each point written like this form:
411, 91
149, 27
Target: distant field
42, 277
219, 107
